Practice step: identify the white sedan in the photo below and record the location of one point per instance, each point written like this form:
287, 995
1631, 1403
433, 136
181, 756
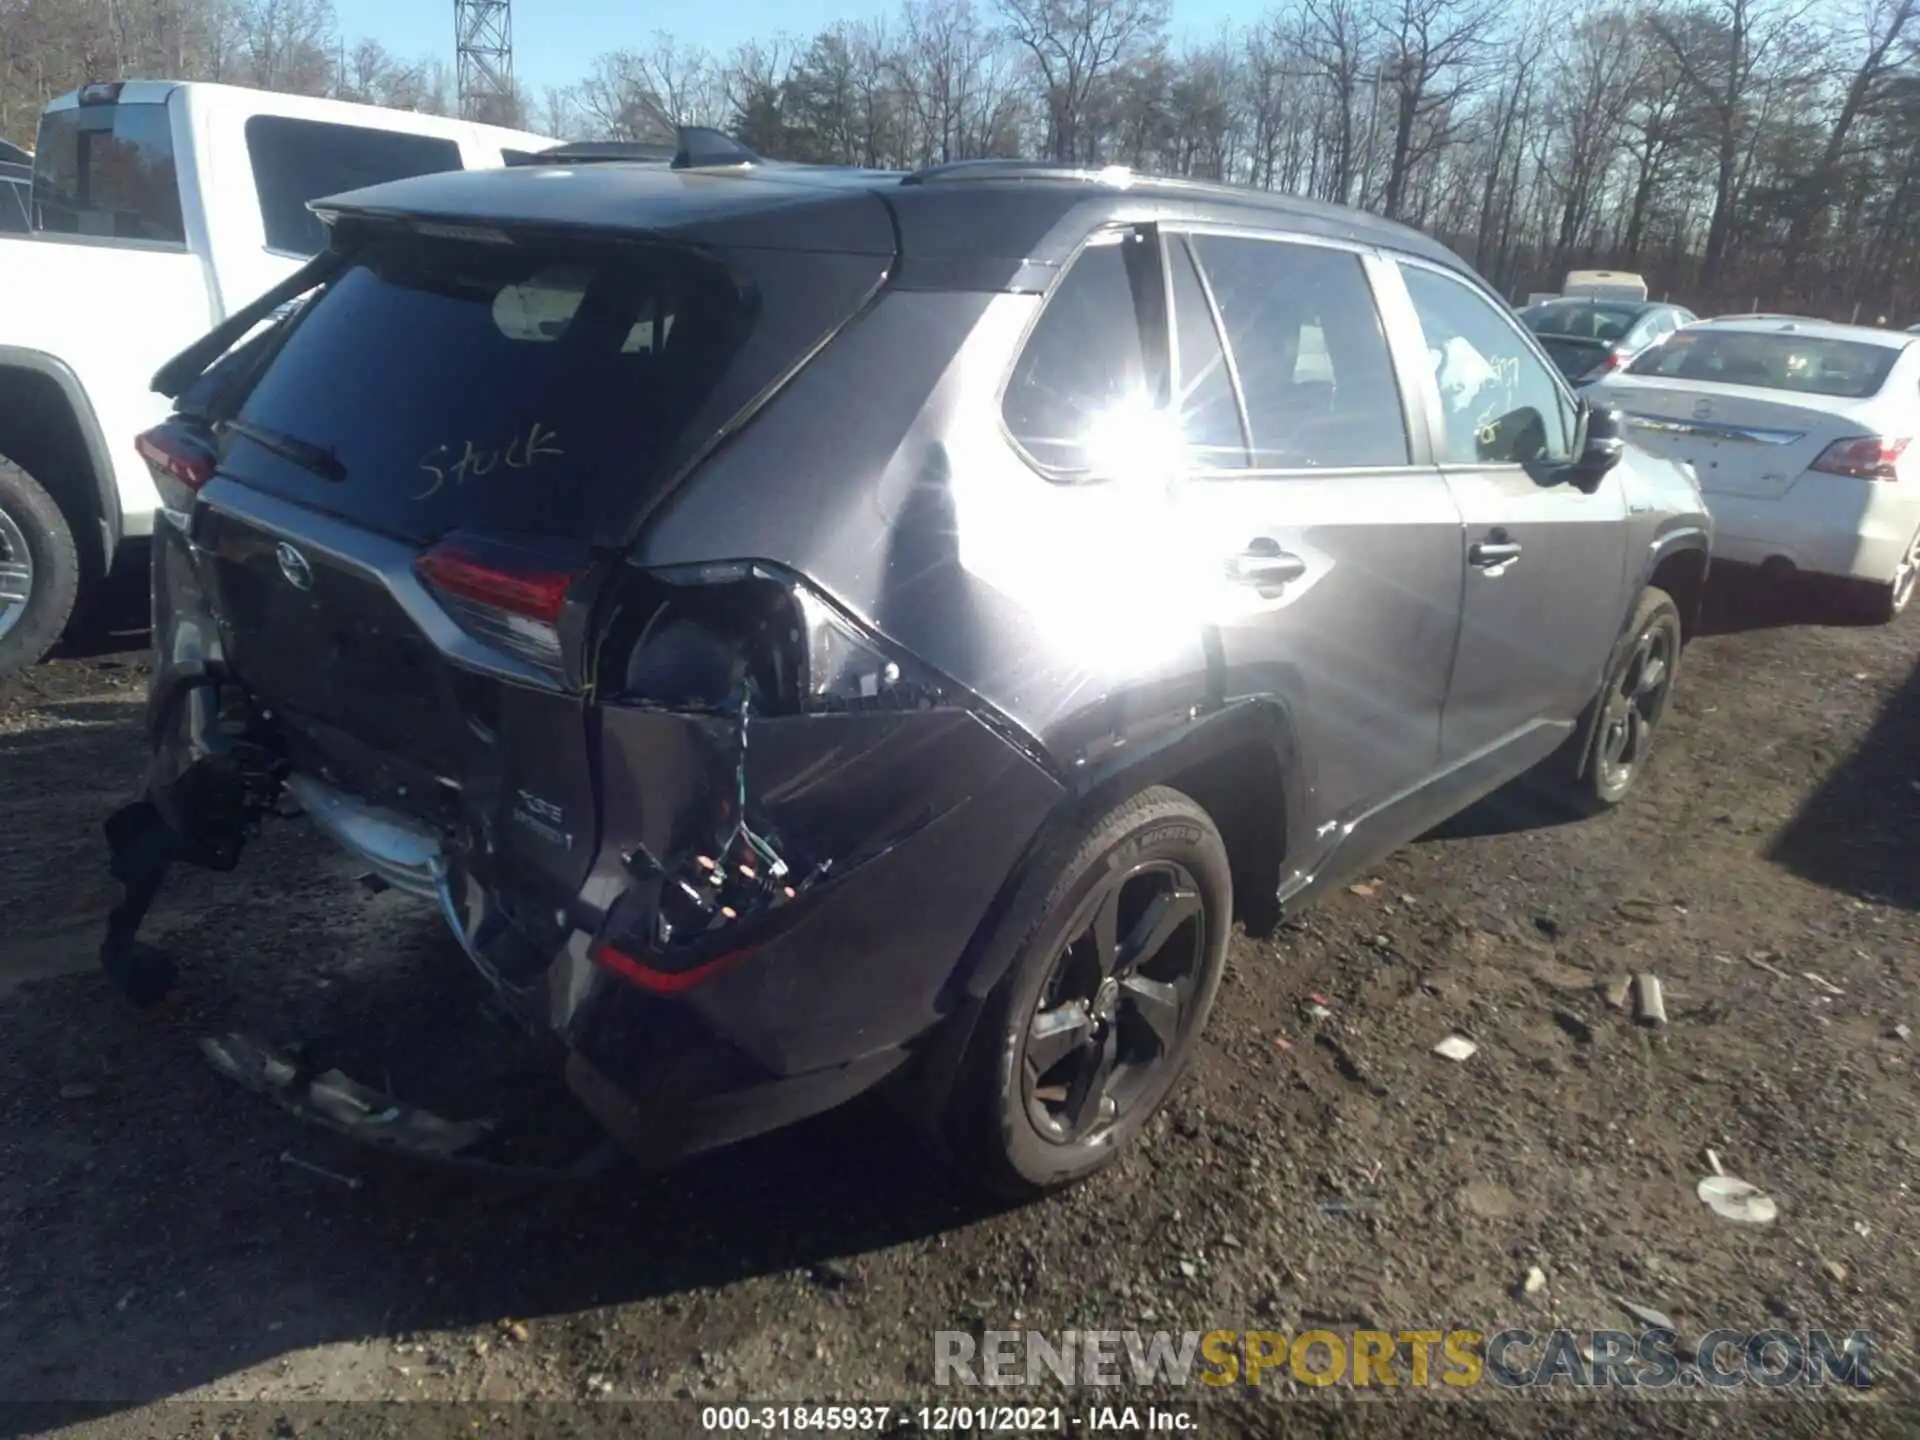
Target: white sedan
1806, 439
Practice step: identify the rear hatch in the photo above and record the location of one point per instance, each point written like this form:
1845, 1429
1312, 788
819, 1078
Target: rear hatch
418, 489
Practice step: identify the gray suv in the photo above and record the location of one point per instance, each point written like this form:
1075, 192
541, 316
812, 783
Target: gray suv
814, 630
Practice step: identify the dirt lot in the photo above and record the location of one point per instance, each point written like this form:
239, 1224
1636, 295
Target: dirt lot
1321, 1168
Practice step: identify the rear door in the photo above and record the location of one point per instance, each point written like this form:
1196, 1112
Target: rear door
1544, 564
1338, 541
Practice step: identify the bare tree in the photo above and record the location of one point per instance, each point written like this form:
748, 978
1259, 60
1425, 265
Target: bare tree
1076, 45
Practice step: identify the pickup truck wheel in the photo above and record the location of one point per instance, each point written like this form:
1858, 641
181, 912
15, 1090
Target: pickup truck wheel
1094, 1023
1633, 703
39, 570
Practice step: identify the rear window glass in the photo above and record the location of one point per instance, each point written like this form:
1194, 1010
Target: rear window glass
1592, 322
1846, 369
454, 386
107, 171
295, 161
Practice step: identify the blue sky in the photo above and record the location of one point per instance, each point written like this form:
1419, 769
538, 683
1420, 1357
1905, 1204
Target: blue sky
554, 41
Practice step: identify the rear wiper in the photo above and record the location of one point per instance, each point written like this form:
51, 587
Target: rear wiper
322, 460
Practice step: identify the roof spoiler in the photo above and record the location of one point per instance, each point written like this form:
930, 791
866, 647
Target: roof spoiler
695, 147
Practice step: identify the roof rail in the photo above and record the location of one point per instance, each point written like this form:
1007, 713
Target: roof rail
1114, 175
695, 147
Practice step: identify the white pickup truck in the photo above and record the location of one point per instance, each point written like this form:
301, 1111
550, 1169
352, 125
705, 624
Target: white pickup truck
159, 208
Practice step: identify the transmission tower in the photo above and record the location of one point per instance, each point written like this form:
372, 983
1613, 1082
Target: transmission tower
483, 43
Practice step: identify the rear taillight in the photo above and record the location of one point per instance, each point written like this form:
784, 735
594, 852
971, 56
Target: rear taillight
715, 637
504, 596
180, 464
1869, 457
1609, 363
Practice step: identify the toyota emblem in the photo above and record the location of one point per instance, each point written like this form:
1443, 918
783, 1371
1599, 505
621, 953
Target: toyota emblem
1702, 408
294, 566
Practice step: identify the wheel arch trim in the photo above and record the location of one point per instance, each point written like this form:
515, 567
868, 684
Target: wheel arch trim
106, 494
1261, 725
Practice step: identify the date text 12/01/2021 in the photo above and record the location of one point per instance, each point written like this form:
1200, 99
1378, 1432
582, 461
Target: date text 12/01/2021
945, 1419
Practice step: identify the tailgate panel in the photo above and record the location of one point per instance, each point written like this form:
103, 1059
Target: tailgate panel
365, 697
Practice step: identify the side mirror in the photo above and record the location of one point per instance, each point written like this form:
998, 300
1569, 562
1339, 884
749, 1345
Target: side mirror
1600, 439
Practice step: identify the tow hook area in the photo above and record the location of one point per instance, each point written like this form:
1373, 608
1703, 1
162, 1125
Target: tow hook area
335, 1101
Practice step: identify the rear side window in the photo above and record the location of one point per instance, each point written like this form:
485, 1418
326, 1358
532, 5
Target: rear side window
1312, 358
295, 161
108, 171
459, 386
1085, 359
1845, 369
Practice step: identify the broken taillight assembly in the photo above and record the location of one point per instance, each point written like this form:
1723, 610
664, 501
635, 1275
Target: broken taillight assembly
750, 636
734, 645
504, 595
180, 461
1868, 457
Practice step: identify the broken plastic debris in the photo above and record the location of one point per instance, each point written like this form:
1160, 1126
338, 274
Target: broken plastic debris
1648, 1317
1732, 1198
1648, 1005
287, 1157
340, 1102
1455, 1047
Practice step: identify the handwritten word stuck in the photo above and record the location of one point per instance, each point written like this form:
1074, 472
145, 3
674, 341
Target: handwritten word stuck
522, 452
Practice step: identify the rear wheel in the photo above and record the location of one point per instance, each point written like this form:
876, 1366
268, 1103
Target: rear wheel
39, 570
1101, 1010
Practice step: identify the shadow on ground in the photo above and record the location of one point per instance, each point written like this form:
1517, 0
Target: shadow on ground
1859, 833
1741, 598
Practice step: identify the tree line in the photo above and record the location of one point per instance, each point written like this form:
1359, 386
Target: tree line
1739, 153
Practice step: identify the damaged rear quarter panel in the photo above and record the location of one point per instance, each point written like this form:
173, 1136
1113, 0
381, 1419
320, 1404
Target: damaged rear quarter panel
920, 815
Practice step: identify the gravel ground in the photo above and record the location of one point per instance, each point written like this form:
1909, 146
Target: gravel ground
1320, 1168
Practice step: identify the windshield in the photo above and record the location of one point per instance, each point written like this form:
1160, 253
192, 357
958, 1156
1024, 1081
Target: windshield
1591, 322
107, 171
516, 390
1771, 360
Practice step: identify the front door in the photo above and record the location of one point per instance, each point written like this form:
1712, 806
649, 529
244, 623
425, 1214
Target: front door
1544, 564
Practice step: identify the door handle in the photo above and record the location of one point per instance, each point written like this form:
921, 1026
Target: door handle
1264, 565
1492, 554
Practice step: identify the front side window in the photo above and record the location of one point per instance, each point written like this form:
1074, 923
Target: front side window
107, 171
295, 161
1311, 354
1500, 405
1085, 364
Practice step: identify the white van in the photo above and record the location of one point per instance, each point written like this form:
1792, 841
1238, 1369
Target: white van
1605, 284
